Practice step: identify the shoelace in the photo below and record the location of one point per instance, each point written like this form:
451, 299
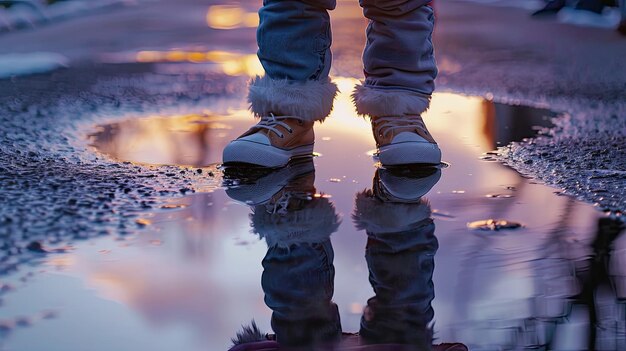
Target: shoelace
386, 125
281, 206
272, 121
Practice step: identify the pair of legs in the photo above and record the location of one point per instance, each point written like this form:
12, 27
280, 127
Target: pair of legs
294, 38
298, 271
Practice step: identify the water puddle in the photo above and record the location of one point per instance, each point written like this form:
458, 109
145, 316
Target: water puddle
188, 140
201, 266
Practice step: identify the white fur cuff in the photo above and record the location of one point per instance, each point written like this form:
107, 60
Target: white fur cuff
386, 102
377, 216
311, 100
312, 224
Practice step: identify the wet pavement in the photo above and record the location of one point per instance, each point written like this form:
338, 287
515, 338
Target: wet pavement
119, 230
185, 272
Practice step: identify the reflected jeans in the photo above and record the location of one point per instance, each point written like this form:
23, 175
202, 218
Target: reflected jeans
298, 283
294, 39
401, 266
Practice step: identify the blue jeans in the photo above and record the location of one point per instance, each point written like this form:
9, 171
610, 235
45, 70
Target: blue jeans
294, 39
401, 266
298, 282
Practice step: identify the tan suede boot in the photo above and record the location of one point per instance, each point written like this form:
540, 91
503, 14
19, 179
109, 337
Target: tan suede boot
272, 142
404, 140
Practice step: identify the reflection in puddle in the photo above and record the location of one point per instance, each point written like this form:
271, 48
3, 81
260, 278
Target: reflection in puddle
180, 140
298, 267
201, 268
186, 140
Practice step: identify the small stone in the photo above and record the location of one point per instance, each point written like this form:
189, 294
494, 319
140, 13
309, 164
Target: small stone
35, 246
142, 222
494, 225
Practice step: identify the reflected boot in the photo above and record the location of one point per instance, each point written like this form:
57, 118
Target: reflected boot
261, 185
287, 112
286, 208
406, 183
295, 215
400, 257
395, 203
296, 224
298, 271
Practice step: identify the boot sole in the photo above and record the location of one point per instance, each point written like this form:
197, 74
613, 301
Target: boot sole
409, 153
259, 191
242, 151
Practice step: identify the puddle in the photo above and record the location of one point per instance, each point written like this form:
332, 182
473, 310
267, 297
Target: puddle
197, 140
200, 268
189, 140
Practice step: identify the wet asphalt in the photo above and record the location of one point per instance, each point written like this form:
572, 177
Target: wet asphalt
55, 188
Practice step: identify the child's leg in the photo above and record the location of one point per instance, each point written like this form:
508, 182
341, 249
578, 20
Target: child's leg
294, 47
399, 62
399, 79
294, 39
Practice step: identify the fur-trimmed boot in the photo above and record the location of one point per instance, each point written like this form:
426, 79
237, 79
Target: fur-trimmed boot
400, 69
287, 111
398, 128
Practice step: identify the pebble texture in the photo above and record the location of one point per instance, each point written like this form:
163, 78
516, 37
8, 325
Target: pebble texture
54, 188
578, 71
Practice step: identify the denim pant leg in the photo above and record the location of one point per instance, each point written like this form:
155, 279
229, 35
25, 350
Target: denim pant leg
398, 59
401, 268
298, 282
294, 39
